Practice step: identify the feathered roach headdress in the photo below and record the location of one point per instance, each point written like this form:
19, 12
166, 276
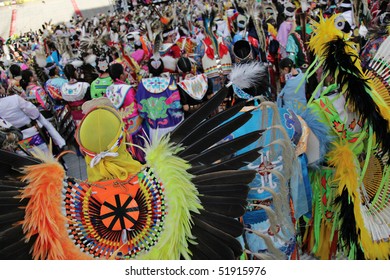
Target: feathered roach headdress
338, 55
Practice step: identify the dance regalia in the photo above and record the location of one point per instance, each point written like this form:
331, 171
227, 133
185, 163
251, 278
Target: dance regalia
170, 53
193, 92
159, 104
216, 63
350, 211
99, 86
122, 96
37, 95
183, 203
75, 94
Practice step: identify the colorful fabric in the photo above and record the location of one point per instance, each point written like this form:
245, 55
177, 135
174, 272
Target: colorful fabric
118, 93
74, 91
105, 233
212, 66
290, 97
196, 87
156, 84
53, 88
99, 86
29, 143
37, 96
159, 103
267, 182
296, 49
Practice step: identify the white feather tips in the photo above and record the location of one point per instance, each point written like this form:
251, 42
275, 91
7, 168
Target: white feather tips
90, 59
247, 75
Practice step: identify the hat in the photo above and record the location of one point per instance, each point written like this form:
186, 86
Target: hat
101, 137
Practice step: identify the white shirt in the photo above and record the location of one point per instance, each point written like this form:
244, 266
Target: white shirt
17, 111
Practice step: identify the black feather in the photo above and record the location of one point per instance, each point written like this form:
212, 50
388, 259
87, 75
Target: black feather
236, 162
11, 235
198, 116
16, 160
16, 251
232, 242
225, 177
206, 252
197, 253
221, 250
239, 8
11, 201
348, 232
357, 92
225, 224
8, 194
216, 135
13, 184
226, 148
12, 217
224, 190
210, 124
229, 206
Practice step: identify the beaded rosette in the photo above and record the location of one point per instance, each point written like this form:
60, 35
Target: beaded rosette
115, 219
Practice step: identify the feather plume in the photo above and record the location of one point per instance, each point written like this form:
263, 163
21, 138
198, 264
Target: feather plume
43, 215
248, 75
182, 199
149, 30
157, 46
338, 55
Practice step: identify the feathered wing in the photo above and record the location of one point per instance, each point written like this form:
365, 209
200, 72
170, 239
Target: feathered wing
214, 171
184, 203
13, 244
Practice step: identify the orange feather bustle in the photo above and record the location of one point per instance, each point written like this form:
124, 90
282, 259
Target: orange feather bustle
43, 214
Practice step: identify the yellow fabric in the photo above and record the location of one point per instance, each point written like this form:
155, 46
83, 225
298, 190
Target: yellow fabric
120, 167
98, 132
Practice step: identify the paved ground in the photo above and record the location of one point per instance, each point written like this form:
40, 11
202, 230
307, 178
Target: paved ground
31, 15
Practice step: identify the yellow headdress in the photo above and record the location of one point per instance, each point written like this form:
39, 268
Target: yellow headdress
101, 137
